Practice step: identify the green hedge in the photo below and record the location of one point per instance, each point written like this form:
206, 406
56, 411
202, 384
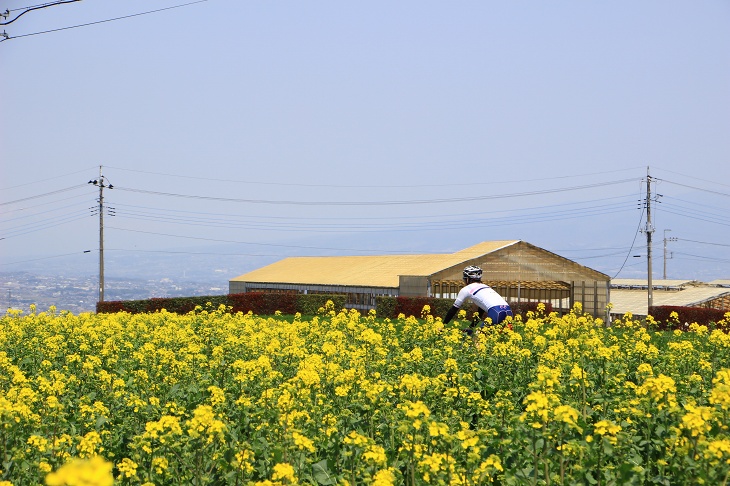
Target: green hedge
267, 303
260, 303
391, 307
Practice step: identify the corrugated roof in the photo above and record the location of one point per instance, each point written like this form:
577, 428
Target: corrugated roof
365, 271
720, 283
636, 301
655, 282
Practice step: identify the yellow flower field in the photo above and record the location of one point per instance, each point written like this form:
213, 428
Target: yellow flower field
213, 398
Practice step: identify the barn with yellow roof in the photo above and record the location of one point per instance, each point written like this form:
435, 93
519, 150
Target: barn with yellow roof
519, 271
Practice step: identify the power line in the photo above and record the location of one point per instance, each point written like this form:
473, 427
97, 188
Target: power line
360, 186
104, 21
25, 228
376, 203
38, 7
47, 258
694, 214
198, 215
43, 195
671, 199
31, 6
294, 224
631, 249
36, 181
692, 177
695, 218
697, 188
171, 252
704, 242
27, 208
600, 256
300, 247
702, 258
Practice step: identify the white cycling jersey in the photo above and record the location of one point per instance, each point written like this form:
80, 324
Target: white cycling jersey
481, 294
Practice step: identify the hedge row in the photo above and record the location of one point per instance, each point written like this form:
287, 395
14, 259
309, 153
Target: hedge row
412, 306
687, 315
265, 303
260, 303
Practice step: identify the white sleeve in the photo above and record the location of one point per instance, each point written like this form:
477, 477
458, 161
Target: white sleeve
463, 295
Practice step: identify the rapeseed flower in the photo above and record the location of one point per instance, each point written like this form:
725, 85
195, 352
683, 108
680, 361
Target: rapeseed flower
384, 477
127, 469
284, 472
90, 445
717, 451
697, 420
302, 442
720, 394
94, 471
607, 429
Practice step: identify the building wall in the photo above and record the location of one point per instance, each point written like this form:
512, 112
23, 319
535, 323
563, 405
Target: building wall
520, 272
520, 268
361, 298
413, 286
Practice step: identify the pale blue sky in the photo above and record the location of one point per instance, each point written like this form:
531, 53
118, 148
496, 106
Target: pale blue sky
335, 127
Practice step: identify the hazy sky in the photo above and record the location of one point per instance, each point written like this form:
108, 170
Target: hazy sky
266, 129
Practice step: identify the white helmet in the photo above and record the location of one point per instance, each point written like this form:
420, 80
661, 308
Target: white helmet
473, 272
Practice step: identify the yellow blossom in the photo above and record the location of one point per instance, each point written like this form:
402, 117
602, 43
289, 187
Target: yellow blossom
284, 472
94, 471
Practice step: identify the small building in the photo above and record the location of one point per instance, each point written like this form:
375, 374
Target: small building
519, 271
631, 295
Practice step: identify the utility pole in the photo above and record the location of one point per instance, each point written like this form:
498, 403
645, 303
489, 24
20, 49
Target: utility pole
649, 230
100, 183
665, 251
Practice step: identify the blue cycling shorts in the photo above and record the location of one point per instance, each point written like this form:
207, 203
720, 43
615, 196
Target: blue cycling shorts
499, 313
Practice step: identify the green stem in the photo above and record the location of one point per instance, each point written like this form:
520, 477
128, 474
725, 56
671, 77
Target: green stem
536, 463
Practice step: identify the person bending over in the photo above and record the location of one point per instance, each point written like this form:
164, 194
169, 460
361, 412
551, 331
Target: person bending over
489, 302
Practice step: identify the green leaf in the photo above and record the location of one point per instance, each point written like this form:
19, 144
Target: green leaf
322, 474
99, 422
590, 478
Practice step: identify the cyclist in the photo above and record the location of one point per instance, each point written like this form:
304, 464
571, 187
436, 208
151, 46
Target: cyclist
489, 302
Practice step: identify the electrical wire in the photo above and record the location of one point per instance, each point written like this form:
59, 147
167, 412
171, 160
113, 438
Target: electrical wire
36, 222
360, 186
105, 21
43, 195
600, 256
172, 252
30, 208
672, 208
194, 215
696, 218
46, 258
31, 6
697, 188
672, 199
36, 181
38, 7
402, 226
299, 247
704, 242
701, 258
376, 203
693, 177
297, 224
638, 230
44, 227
